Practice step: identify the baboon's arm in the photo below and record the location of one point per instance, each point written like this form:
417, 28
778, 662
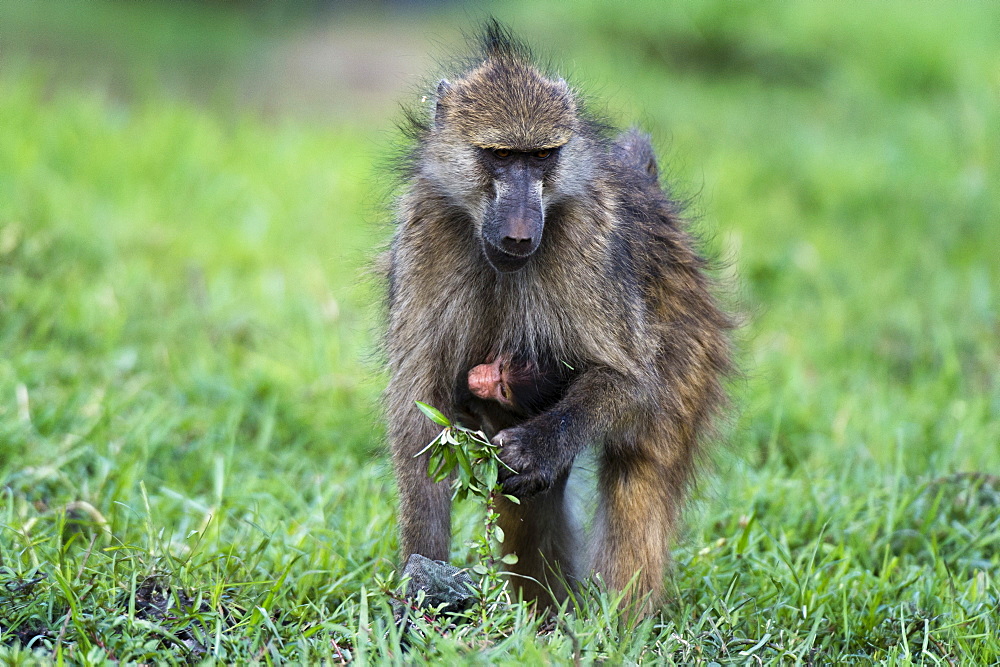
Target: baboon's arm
600, 401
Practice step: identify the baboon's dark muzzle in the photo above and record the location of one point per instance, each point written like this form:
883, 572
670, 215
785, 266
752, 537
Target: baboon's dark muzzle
512, 230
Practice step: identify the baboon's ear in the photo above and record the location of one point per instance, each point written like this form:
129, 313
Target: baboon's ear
442, 90
652, 168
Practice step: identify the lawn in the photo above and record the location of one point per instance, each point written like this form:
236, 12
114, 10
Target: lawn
192, 465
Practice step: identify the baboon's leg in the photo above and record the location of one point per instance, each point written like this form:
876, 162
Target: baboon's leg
636, 514
544, 534
424, 507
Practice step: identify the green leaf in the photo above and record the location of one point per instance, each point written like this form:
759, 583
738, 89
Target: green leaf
433, 414
498, 534
441, 464
489, 474
465, 476
509, 559
466, 466
512, 499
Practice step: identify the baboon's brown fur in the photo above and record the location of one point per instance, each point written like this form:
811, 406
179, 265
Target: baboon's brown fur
613, 289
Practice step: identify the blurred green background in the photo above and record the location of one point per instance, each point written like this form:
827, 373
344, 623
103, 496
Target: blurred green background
190, 194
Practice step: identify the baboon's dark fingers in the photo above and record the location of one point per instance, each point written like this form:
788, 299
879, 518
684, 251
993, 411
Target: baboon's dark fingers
525, 473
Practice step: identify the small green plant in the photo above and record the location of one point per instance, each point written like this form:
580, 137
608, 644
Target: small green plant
474, 463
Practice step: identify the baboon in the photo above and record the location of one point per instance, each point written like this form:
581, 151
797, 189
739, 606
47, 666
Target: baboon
505, 391
518, 385
526, 231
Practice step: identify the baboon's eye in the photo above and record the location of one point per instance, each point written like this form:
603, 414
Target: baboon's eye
501, 152
541, 155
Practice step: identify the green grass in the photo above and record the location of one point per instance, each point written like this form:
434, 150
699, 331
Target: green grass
188, 401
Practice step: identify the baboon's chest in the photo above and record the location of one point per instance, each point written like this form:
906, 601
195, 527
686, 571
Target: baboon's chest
522, 318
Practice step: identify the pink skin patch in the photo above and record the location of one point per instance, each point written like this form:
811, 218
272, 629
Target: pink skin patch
487, 382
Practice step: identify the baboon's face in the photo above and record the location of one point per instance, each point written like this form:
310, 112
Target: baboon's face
514, 216
498, 133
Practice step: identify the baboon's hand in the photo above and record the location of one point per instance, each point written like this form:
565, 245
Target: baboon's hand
519, 449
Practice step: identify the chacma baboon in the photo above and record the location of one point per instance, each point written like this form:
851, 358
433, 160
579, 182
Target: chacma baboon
526, 231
